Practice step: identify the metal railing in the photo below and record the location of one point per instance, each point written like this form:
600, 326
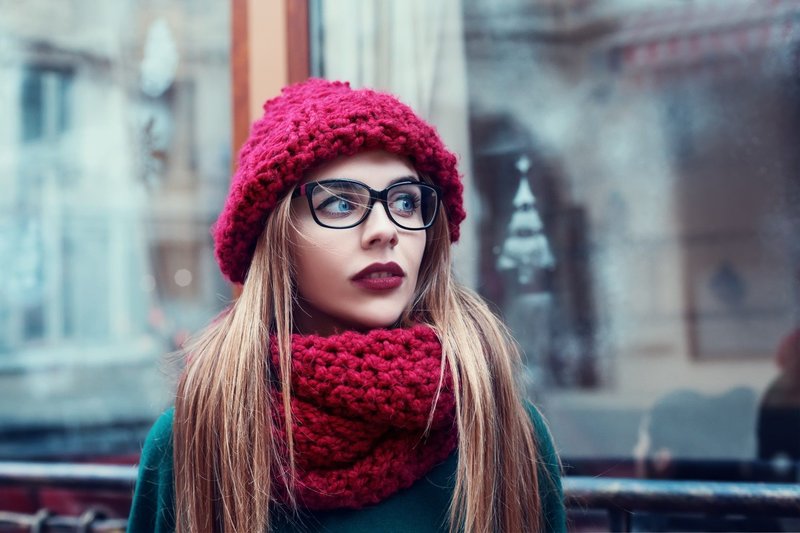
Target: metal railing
45, 520
91, 477
621, 498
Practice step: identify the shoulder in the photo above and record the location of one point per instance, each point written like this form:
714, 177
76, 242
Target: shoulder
541, 431
153, 505
539, 424
550, 490
160, 434
157, 449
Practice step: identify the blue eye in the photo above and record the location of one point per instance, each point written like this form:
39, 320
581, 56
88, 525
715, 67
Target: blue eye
405, 204
335, 203
341, 205
336, 206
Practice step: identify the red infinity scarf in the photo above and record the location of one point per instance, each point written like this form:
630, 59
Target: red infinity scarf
361, 402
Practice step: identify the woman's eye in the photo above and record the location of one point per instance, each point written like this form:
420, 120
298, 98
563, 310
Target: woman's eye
405, 204
336, 204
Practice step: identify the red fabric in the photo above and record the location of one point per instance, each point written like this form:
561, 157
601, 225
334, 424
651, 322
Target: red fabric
360, 404
310, 123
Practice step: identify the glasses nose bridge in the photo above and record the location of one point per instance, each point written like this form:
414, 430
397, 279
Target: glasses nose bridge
380, 197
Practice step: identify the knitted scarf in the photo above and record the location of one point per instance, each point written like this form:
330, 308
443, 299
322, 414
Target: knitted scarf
360, 404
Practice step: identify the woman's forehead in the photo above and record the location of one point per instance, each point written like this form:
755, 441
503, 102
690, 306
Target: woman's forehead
376, 168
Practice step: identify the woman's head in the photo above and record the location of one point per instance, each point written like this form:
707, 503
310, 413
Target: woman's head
364, 276
311, 124
320, 263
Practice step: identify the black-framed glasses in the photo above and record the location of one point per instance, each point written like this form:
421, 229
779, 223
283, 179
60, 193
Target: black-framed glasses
343, 203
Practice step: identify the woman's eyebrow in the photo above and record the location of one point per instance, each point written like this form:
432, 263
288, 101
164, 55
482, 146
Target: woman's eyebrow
404, 178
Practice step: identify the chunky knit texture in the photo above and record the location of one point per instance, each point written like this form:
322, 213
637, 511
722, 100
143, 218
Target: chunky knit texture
310, 123
361, 404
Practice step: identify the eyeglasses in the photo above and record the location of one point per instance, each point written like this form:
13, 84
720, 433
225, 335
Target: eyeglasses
342, 203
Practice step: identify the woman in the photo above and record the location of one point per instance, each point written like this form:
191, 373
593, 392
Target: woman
399, 383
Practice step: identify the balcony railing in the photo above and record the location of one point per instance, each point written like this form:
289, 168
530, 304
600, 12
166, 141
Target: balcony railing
620, 498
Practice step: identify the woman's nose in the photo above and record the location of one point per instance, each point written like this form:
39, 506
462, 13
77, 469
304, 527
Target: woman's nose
378, 228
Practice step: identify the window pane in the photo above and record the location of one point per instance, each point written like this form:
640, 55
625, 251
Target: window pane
632, 192
114, 160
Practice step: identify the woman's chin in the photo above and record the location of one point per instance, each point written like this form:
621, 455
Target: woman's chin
375, 323
332, 325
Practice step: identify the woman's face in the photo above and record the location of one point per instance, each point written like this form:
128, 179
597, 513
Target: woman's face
362, 277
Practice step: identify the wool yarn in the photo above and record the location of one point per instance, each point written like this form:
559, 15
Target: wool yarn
361, 404
310, 123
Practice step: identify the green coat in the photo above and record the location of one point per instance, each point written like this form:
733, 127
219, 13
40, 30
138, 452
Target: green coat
421, 508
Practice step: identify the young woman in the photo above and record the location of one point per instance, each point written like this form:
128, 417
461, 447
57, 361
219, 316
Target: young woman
354, 385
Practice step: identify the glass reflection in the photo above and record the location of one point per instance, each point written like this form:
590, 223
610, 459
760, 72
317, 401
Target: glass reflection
114, 157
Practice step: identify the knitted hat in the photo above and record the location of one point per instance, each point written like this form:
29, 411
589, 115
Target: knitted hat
310, 123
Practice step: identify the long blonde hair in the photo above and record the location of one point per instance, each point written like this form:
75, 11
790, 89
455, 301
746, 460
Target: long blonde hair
226, 454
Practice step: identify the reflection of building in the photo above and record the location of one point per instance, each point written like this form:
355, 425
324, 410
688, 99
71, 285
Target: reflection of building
109, 190
525, 249
525, 262
674, 126
526, 233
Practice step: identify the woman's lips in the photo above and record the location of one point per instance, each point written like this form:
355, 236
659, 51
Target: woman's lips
380, 277
379, 284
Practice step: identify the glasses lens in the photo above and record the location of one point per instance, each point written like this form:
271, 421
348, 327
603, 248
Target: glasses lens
339, 204
412, 205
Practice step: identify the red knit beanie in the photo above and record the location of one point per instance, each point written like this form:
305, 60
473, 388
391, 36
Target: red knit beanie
308, 124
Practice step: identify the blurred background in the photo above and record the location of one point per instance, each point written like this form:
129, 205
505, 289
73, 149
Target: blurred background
631, 174
115, 153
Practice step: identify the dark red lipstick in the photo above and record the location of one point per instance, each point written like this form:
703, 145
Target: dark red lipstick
380, 277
